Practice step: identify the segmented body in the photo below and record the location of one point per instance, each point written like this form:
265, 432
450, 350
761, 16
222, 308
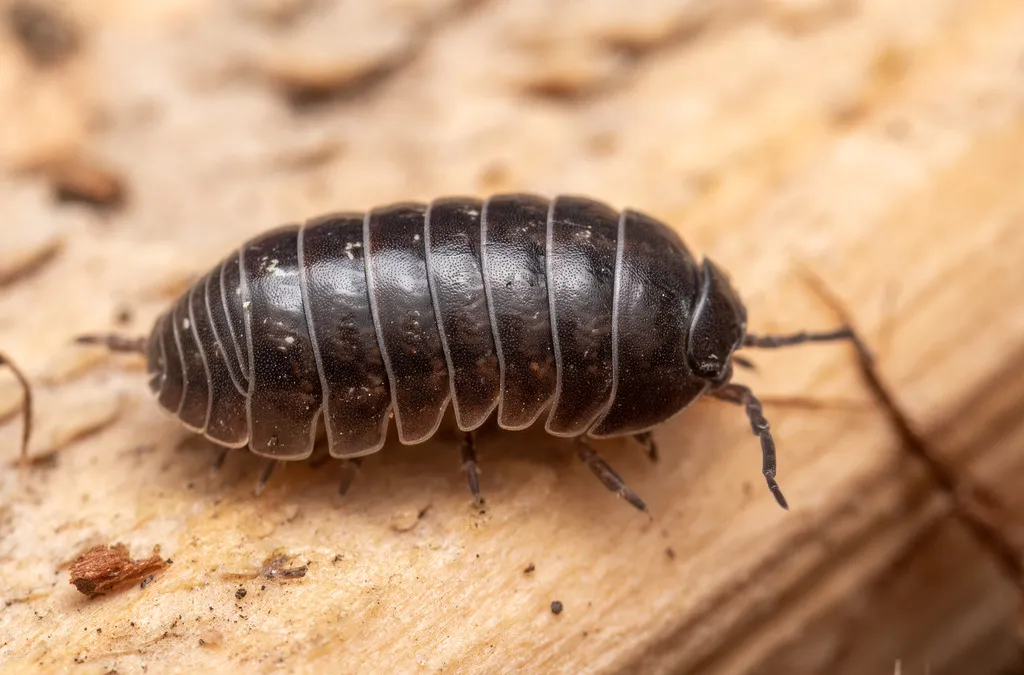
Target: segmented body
518, 304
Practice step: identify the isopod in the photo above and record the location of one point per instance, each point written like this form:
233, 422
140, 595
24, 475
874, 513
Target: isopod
516, 306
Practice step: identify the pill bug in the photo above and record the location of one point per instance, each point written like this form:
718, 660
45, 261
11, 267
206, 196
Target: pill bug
516, 306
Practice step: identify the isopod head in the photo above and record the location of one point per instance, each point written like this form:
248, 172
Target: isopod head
717, 328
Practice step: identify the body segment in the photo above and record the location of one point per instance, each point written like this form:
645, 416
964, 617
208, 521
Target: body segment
514, 252
582, 238
403, 314
357, 395
455, 266
285, 397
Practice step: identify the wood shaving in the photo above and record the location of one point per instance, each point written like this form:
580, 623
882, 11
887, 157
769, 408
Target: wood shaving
274, 568
103, 569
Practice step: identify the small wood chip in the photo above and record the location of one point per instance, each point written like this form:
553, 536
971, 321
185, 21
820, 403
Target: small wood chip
87, 181
403, 521
103, 569
210, 637
45, 33
274, 568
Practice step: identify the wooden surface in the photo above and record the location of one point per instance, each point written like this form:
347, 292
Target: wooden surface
878, 143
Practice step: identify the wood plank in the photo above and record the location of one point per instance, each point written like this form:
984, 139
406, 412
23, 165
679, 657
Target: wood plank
880, 146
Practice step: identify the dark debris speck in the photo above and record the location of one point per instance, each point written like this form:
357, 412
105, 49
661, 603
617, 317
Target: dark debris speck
556, 607
240, 593
46, 35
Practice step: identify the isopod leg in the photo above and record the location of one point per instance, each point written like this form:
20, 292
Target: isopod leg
222, 456
741, 395
646, 439
261, 482
470, 466
349, 469
607, 475
743, 362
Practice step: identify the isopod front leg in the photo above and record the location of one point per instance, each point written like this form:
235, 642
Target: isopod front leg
646, 439
471, 467
741, 395
607, 475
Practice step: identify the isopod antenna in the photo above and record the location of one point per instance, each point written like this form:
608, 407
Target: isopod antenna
743, 396
114, 342
803, 337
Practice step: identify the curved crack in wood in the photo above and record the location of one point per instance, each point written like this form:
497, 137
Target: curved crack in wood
31, 264
977, 507
687, 29
304, 99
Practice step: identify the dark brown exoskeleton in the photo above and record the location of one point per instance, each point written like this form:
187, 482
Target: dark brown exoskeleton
520, 304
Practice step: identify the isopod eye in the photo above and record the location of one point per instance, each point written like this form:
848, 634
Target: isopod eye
719, 321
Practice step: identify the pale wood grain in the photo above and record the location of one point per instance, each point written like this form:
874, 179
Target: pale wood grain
880, 144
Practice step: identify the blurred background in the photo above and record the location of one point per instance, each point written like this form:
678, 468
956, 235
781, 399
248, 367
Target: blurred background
880, 142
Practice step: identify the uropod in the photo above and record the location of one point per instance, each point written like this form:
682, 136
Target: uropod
517, 305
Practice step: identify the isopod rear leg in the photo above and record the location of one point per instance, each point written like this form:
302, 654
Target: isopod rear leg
646, 439
741, 395
471, 467
349, 469
607, 475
